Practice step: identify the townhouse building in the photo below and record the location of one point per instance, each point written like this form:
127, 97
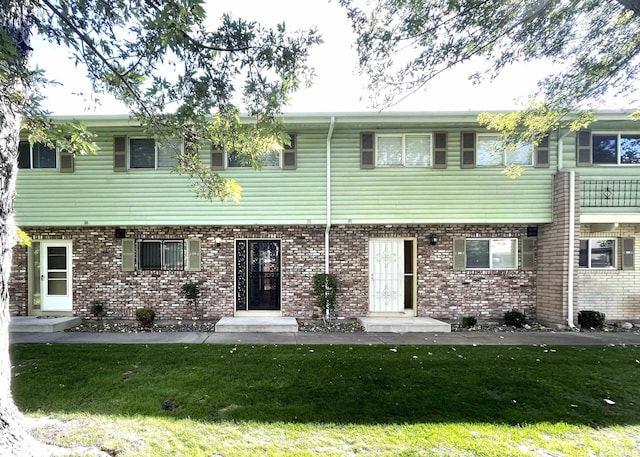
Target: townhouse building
410, 211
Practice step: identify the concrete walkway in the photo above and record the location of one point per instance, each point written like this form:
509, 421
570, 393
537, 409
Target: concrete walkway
357, 338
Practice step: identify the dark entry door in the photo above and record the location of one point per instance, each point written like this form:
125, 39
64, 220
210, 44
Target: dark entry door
258, 275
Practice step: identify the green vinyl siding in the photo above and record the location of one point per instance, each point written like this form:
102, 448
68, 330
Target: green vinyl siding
398, 195
96, 195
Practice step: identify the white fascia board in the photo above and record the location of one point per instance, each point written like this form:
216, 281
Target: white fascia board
607, 218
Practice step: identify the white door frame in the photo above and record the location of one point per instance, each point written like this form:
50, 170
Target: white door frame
387, 277
61, 300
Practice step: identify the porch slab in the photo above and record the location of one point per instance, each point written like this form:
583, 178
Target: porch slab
257, 325
42, 324
403, 325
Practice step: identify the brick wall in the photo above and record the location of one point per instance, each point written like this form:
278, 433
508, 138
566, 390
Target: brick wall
553, 253
442, 292
97, 271
613, 292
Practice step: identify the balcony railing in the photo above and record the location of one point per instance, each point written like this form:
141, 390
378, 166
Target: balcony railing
610, 193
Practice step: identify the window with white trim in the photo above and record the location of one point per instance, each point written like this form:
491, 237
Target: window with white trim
36, 155
616, 148
147, 153
491, 253
404, 150
597, 253
490, 155
269, 159
160, 255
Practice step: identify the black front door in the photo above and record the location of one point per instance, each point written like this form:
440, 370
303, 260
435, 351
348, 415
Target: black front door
258, 275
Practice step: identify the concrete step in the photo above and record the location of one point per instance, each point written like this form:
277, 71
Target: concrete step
257, 325
403, 325
42, 324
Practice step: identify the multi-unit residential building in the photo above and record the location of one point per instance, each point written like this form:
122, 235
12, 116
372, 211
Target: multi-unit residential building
410, 211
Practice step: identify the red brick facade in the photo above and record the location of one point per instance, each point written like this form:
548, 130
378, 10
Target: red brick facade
441, 292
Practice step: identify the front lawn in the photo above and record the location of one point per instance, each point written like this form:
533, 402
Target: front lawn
202, 400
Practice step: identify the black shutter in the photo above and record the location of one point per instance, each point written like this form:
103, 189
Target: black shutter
119, 153
367, 150
542, 153
289, 155
217, 157
440, 150
583, 148
468, 150
66, 162
628, 253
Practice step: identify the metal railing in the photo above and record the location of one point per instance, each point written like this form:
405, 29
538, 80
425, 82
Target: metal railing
610, 193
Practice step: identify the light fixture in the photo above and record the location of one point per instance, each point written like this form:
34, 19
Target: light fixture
433, 239
218, 241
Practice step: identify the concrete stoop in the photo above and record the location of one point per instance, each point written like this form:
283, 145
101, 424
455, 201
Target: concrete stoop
42, 324
257, 325
403, 325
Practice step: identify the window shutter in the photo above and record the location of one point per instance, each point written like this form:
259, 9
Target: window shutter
217, 157
468, 150
583, 149
528, 253
128, 255
289, 159
542, 153
628, 253
193, 255
119, 153
367, 150
459, 254
440, 150
66, 162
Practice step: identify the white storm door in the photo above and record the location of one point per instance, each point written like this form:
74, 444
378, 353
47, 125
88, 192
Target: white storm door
55, 264
386, 275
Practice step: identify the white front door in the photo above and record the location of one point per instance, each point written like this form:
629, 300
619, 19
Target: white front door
386, 275
55, 264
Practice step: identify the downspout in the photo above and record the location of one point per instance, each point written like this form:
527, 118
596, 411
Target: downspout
572, 227
327, 229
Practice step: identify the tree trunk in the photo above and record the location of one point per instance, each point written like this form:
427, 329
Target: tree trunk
14, 438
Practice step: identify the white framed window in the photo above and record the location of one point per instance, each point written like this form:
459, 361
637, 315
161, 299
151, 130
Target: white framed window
160, 255
404, 150
597, 253
37, 155
490, 155
147, 153
491, 253
269, 159
615, 148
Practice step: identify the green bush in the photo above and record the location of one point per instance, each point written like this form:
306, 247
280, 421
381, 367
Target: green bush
97, 308
191, 291
145, 316
515, 318
469, 321
591, 319
325, 287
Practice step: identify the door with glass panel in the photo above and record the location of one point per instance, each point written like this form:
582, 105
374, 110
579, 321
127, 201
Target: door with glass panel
55, 276
258, 275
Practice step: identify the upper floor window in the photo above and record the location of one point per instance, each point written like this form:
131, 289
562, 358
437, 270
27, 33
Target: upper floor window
597, 253
36, 155
608, 148
160, 255
490, 155
268, 159
149, 153
403, 150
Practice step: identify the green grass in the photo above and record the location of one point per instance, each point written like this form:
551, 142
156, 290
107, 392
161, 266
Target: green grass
335, 400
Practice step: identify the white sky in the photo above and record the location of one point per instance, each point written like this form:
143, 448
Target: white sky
336, 88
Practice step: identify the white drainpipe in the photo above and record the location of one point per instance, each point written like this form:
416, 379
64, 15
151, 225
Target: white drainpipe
572, 227
327, 229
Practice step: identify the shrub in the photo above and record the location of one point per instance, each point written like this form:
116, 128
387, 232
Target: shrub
515, 318
325, 286
590, 319
97, 308
191, 291
469, 321
145, 316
